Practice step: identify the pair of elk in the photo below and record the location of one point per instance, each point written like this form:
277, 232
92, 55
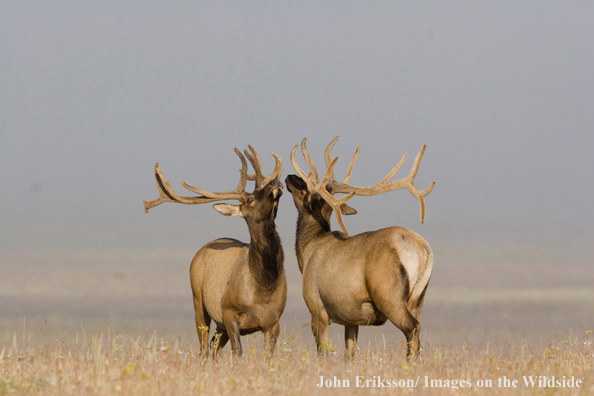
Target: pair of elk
241, 287
358, 280
364, 279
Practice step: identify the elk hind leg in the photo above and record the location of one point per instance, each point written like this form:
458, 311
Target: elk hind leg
411, 328
415, 305
400, 316
319, 328
202, 319
351, 333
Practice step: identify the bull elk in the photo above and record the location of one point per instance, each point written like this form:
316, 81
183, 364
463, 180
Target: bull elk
241, 287
364, 279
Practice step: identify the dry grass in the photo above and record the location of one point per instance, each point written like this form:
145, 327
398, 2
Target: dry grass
512, 322
108, 364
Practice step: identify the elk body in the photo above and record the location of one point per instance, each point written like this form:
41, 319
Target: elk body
241, 287
359, 280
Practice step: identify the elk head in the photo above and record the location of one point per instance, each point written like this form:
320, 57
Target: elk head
317, 197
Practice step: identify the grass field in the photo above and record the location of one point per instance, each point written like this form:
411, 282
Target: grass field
111, 363
96, 325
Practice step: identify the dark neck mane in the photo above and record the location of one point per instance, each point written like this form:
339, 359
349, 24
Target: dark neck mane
266, 253
309, 227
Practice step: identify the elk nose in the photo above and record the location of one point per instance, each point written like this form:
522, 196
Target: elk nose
276, 188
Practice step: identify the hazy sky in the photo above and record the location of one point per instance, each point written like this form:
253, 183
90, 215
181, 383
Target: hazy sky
93, 93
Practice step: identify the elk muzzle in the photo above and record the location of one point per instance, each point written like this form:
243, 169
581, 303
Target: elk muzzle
276, 188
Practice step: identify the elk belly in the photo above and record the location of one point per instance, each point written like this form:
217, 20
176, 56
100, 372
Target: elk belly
357, 313
373, 316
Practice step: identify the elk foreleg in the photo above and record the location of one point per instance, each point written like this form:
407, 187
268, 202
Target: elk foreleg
231, 320
218, 341
351, 333
270, 337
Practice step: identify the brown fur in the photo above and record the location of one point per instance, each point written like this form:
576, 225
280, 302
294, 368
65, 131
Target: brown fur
358, 280
242, 287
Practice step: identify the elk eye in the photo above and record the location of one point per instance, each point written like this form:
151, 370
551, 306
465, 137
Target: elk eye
250, 200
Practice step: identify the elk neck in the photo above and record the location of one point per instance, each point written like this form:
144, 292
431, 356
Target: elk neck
310, 228
265, 253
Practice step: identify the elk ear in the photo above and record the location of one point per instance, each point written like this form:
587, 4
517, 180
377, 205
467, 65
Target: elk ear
228, 209
347, 210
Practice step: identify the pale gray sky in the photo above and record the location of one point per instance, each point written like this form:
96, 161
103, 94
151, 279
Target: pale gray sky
93, 93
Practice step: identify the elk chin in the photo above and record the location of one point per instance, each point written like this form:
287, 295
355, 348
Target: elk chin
277, 193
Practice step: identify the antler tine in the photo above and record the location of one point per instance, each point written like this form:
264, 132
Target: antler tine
420, 195
296, 166
257, 164
243, 172
347, 176
300, 172
277, 172
222, 196
329, 173
383, 186
167, 194
395, 169
328, 157
334, 202
313, 171
417, 162
262, 181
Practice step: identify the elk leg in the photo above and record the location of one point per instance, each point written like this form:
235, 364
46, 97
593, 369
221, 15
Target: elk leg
415, 306
351, 333
218, 345
406, 322
231, 321
202, 323
319, 328
270, 337
396, 310
391, 299
215, 341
